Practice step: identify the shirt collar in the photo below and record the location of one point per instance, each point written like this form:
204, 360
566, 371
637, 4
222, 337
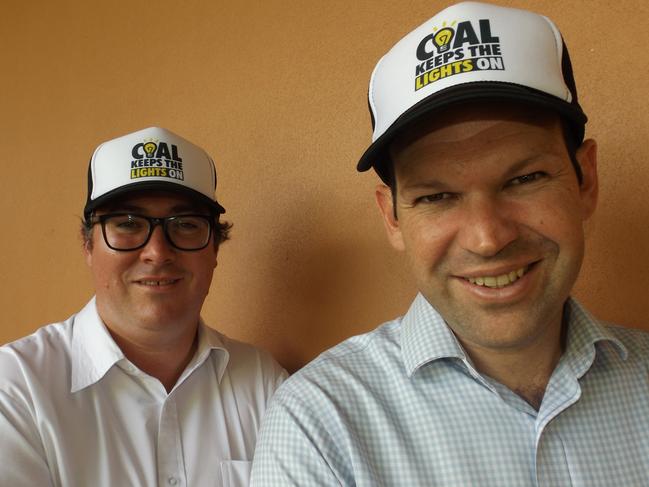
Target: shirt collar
586, 337
426, 337
209, 340
94, 351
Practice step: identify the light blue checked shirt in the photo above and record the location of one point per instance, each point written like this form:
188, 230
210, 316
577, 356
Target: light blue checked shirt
403, 406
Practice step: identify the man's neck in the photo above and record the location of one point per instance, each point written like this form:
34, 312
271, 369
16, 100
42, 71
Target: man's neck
524, 370
162, 357
526, 376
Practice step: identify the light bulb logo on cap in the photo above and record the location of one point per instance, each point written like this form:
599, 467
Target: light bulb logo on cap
442, 39
149, 148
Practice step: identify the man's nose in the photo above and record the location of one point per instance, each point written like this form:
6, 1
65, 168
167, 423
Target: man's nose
158, 249
488, 227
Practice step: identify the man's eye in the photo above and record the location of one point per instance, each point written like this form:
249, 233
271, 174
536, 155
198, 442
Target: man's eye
527, 178
434, 198
127, 223
186, 225
189, 224
130, 223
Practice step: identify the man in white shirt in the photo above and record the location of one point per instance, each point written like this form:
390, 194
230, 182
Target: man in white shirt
135, 389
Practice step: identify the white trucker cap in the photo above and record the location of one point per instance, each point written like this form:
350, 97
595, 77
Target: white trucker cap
467, 52
150, 159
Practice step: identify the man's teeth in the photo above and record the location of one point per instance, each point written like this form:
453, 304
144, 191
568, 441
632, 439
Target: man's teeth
498, 281
163, 282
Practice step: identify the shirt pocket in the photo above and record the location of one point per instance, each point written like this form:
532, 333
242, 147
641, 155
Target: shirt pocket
235, 473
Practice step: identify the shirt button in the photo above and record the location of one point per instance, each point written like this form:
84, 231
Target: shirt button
172, 480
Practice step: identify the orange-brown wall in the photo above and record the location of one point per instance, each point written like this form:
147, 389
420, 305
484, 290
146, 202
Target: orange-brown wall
276, 93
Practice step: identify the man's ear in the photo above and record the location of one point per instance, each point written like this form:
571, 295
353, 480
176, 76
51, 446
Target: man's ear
87, 250
385, 202
589, 188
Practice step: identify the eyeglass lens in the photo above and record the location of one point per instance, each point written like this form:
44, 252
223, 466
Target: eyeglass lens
128, 232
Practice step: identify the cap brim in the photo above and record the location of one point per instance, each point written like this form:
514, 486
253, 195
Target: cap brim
152, 186
465, 93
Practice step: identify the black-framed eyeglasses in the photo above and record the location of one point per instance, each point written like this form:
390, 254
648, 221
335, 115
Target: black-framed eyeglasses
130, 231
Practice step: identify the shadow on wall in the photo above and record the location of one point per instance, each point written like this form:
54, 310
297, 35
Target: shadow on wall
615, 276
327, 277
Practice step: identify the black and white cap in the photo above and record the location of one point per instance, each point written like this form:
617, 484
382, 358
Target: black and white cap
150, 159
470, 51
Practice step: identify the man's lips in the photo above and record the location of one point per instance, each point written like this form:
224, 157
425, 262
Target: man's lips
498, 279
157, 281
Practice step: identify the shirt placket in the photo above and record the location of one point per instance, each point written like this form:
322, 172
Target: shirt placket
552, 465
171, 465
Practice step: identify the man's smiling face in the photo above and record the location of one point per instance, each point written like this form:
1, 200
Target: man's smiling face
490, 215
156, 286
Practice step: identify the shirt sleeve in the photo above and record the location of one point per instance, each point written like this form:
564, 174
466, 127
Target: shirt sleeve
299, 446
278, 376
23, 457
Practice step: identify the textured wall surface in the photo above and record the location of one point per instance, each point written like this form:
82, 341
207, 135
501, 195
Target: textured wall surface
276, 93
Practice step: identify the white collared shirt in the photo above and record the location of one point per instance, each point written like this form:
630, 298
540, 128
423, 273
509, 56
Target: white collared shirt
75, 412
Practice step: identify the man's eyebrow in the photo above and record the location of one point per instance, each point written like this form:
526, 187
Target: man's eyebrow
519, 166
429, 185
437, 186
124, 207
188, 208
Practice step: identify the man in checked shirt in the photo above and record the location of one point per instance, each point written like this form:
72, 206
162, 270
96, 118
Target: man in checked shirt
495, 376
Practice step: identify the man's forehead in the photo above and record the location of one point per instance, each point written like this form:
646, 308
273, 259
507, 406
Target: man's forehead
458, 124
152, 200
470, 145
